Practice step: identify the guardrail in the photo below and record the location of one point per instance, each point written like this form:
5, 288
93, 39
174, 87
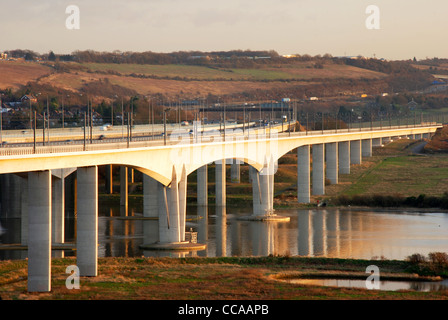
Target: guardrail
186, 138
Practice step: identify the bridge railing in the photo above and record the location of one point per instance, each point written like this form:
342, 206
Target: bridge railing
184, 137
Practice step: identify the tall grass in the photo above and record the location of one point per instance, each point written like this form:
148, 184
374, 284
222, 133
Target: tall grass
395, 200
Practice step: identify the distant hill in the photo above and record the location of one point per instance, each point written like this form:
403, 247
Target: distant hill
232, 75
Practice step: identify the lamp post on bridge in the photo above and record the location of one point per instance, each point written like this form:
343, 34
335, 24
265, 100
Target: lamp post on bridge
1, 120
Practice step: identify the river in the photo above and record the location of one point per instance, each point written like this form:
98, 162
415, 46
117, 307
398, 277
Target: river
335, 233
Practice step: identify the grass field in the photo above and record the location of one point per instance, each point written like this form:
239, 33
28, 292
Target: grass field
298, 71
14, 74
189, 80
207, 278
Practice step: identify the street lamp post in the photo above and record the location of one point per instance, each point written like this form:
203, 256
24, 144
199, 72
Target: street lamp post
85, 125
63, 113
34, 133
164, 126
1, 119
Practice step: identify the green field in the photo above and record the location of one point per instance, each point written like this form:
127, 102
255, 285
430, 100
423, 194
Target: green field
404, 175
189, 72
296, 71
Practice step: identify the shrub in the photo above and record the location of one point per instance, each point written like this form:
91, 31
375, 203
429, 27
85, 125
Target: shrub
416, 258
439, 258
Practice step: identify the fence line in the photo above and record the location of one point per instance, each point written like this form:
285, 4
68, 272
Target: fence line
154, 141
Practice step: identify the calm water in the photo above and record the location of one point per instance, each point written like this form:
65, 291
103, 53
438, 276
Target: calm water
318, 232
425, 286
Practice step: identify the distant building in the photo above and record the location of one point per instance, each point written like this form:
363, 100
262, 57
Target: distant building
412, 105
27, 98
199, 57
3, 56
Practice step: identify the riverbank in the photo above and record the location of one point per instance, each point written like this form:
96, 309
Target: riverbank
224, 278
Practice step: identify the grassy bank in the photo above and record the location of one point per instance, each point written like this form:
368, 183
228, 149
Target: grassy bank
208, 278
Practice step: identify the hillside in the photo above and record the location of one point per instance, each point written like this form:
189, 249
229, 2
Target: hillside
439, 142
268, 80
15, 74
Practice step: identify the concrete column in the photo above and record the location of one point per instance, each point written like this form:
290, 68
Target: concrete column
303, 174
344, 157
15, 195
10, 196
4, 195
376, 142
220, 179
150, 197
169, 214
331, 152
263, 193
39, 231
235, 171
109, 179
202, 191
256, 190
318, 169
58, 209
367, 148
355, 152
24, 218
124, 187
87, 222
182, 189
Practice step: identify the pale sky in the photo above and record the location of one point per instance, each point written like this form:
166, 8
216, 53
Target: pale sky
408, 28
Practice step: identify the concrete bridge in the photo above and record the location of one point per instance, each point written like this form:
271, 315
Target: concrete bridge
36, 176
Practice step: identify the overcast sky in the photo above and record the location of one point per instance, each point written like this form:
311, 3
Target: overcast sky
408, 28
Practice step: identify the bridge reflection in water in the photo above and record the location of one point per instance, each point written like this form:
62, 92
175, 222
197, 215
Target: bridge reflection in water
312, 233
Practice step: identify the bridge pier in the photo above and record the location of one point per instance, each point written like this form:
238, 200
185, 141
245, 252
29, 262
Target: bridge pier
170, 204
344, 157
58, 209
331, 152
235, 171
39, 231
376, 142
150, 197
303, 174
124, 187
318, 169
367, 148
262, 191
263, 194
109, 179
202, 183
355, 152
220, 180
10, 195
87, 221
24, 215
